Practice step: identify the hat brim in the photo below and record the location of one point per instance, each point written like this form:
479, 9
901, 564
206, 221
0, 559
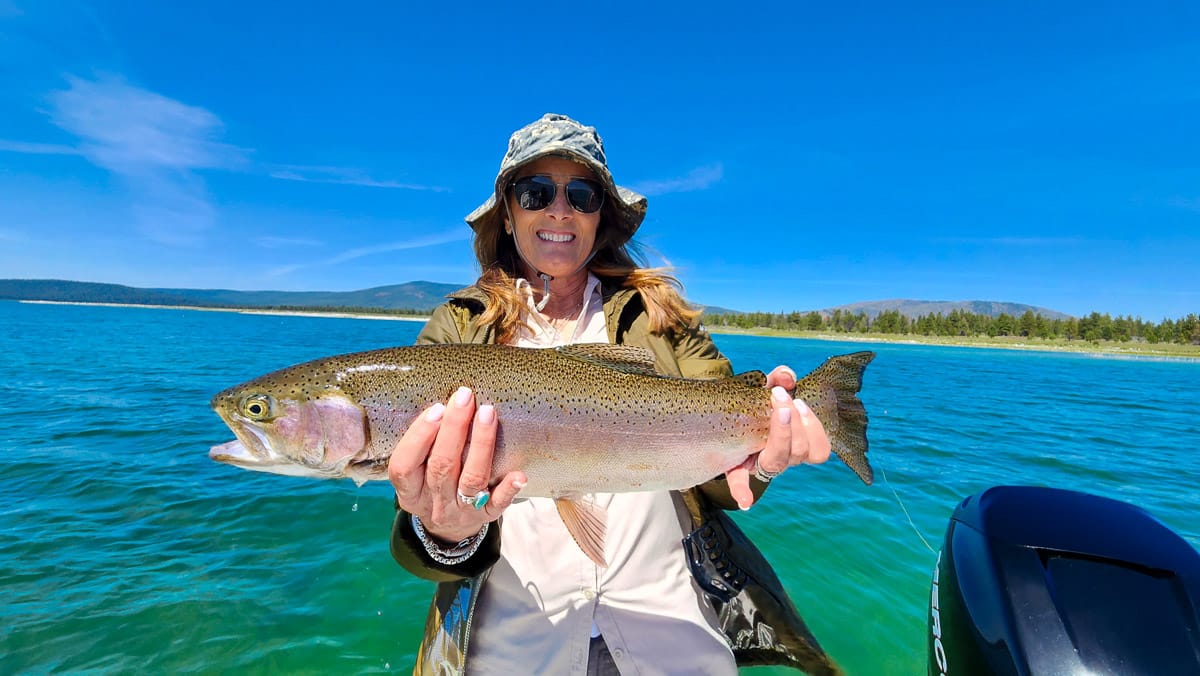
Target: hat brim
629, 205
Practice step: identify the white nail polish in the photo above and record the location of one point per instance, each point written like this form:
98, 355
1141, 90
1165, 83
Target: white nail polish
435, 412
462, 396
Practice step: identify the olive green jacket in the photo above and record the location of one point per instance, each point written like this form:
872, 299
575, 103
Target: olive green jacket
761, 623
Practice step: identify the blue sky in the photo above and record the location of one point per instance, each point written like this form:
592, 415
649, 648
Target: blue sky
797, 155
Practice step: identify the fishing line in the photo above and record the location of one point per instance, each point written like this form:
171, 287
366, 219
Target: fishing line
883, 472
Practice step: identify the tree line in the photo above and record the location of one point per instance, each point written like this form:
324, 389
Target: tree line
1094, 327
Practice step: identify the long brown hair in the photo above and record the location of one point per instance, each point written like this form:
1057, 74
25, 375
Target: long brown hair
617, 262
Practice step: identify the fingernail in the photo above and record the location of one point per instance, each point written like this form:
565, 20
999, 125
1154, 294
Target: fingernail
486, 414
779, 394
435, 412
745, 506
801, 406
519, 485
790, 371
462, 396
785, 415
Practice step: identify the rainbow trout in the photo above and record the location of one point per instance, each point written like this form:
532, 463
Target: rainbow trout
578, 419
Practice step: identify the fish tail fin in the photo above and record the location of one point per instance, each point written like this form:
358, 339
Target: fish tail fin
831, 391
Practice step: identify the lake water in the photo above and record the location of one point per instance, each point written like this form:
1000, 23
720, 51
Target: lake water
123, 548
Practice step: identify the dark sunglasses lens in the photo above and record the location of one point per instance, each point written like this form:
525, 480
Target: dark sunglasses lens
586, 197
534, 193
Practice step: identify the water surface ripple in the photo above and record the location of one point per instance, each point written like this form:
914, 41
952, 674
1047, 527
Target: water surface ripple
123, 548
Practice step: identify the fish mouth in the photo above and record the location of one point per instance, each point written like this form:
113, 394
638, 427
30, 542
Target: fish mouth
251, 449
237, 454
234, 453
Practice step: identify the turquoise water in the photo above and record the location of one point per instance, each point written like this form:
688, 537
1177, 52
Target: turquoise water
123, 548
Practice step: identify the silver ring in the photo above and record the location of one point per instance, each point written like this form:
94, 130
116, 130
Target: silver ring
762, 474
477, 501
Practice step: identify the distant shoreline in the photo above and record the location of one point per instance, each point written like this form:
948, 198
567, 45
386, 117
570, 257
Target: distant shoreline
1111, 349
241, 310
1190, 353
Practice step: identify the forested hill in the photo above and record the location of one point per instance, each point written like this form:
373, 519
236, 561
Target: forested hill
421, 296
88, 292
918, 308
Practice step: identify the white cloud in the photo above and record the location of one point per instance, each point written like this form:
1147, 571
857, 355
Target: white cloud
344, 176
455, 235
130, 130
173, 209
37, 148
696, 179
1012, 241
154, 143
1189, 203
158, 147
286, 242
9, 9
12, 236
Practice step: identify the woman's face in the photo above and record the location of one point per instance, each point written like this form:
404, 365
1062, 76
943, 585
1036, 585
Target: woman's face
556, 240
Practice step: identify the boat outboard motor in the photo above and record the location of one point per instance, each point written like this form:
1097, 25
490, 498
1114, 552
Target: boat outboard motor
1047, 581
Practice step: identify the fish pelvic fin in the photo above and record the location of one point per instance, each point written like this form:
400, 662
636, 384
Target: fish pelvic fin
831, 391
586, 524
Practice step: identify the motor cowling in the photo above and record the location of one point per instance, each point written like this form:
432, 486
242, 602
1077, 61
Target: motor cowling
1037, 580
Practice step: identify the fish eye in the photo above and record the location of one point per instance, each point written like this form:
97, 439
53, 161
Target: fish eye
257, 407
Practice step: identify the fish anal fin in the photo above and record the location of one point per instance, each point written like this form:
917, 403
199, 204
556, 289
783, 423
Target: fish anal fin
624, 358
585, 523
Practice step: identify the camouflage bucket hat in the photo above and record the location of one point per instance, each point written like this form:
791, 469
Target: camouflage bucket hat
559, 135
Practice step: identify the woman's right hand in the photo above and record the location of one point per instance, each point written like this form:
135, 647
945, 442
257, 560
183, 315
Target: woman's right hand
429, 470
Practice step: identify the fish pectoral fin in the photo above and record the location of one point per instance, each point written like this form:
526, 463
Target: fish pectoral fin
585, 523
623, 358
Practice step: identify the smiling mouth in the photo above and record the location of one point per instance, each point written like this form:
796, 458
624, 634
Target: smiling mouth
554, 236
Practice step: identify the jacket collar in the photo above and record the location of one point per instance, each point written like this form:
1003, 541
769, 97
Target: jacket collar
615, 299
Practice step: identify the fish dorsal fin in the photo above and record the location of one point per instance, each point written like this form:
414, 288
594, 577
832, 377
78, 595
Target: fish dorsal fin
624, 358
585, 523
752, 378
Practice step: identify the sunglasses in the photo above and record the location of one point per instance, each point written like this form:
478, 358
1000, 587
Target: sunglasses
537, 192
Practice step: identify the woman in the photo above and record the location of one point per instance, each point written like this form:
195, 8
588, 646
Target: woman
552, 243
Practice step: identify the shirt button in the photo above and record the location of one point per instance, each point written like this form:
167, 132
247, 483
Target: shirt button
618, 653
589, 594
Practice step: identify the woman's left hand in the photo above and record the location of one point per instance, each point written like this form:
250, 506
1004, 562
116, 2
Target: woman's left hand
796, 436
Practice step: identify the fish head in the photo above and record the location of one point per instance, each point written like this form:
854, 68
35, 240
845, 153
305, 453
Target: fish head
291, 423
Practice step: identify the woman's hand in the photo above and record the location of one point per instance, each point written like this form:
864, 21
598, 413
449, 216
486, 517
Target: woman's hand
429, 470
796, 436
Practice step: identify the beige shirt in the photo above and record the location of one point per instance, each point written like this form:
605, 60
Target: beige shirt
544, 599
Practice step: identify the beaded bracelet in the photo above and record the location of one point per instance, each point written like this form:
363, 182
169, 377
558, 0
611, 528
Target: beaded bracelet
454, 555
